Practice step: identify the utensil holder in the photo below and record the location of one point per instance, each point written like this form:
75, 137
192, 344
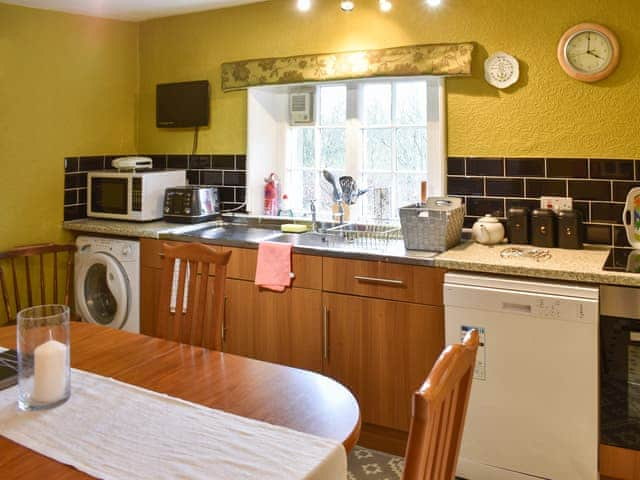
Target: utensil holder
43, 357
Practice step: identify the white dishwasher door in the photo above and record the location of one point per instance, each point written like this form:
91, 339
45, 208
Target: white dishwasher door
533, 411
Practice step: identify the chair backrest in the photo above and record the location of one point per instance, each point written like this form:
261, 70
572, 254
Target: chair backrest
187, 311
21, 267
439, 410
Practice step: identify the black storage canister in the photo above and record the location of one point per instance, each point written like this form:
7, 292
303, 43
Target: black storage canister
543, 228
518, 225
570, 229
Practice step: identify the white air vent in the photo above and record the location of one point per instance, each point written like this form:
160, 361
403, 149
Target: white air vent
301, 108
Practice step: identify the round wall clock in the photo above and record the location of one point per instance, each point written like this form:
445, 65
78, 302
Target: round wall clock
589, 52
501, 70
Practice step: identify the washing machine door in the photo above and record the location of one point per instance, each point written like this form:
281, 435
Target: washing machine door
102, 290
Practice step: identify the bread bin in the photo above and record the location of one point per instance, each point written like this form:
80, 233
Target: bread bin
518, 225
570, 229
543, 227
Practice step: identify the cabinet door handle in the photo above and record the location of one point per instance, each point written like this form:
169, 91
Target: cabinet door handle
223, 323
383, 281
325, 333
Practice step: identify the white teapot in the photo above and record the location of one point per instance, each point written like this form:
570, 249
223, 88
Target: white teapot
488, 230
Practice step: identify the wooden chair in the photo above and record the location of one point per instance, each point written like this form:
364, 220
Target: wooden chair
439, 410
195, 319
32, 257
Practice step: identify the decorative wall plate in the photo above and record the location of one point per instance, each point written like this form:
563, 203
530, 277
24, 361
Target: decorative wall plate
501, 70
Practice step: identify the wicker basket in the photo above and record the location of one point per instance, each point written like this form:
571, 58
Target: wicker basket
435, 226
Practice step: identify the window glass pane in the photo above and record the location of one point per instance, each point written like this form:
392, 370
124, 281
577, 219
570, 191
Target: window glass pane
333, 105
408, 188
377, 145
308, 188
411, 103
333, 148
305, 149
380, 196
411, 148
377, 103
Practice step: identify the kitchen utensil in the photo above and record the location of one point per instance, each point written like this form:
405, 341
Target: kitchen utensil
631, 217
487, 230
330, 177
349, 188
350, 191
518, 225
570, 229
543, 227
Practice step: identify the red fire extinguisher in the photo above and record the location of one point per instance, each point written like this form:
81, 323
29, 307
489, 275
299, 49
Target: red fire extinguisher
271, 194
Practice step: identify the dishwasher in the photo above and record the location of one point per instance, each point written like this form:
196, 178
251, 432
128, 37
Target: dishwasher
533, 410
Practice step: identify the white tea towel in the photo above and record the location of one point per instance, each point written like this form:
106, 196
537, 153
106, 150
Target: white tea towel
113, 430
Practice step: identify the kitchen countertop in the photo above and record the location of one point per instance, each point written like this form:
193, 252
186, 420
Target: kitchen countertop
573, 265
130, 229
570, 265
394, 252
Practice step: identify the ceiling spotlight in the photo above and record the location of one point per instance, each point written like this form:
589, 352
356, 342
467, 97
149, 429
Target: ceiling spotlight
346, 5
385, 5
304, 5
434, 3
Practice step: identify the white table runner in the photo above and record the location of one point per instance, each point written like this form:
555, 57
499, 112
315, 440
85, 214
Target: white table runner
113, 430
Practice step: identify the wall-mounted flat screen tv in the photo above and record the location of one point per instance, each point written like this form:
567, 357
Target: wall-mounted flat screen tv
182, 105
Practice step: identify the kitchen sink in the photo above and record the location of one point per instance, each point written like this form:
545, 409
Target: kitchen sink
238, 233
309, 239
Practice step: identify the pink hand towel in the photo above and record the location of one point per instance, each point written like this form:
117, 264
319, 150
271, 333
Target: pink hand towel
273, 270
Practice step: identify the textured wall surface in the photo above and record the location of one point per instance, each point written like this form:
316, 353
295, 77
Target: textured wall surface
68, 86
545, 114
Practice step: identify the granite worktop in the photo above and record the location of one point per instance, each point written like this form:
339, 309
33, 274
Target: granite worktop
130, 229
571, 265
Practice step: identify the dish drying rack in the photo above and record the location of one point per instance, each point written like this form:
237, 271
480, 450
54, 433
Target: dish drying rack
369, 236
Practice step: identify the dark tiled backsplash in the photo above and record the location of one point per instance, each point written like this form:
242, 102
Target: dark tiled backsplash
598, 186
227, 172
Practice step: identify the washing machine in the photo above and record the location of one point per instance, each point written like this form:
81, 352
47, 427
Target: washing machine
107, 282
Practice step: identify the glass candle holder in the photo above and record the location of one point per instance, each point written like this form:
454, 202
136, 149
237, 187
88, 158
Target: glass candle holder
43, 357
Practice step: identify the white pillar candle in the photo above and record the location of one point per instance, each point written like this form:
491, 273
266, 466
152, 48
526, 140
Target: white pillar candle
50, 372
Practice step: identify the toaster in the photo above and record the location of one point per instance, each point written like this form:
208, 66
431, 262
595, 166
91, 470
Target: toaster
191, 204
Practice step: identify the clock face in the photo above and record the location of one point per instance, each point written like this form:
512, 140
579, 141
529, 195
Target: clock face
589, 51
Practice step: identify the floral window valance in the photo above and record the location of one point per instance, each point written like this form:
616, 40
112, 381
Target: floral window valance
453, 59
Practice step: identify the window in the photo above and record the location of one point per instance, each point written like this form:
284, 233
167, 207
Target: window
375, 131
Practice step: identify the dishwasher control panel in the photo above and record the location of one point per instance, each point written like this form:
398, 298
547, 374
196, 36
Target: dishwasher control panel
551, 307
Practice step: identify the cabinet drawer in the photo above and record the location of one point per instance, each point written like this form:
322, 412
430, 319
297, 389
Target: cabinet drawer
392, 281
307, 268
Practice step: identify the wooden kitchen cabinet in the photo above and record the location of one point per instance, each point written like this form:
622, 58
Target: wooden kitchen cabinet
382, 350
279, 327
393, 281
283, 328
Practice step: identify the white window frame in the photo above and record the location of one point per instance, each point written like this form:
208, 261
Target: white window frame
270, 146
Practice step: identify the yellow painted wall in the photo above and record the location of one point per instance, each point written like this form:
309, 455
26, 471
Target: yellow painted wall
545, 114
68, 86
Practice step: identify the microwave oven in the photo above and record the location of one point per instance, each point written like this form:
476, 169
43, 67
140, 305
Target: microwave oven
130, 195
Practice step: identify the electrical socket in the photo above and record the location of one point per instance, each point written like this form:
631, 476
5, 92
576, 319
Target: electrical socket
556, 203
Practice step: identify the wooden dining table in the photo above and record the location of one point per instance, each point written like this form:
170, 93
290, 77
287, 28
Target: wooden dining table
293, 398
